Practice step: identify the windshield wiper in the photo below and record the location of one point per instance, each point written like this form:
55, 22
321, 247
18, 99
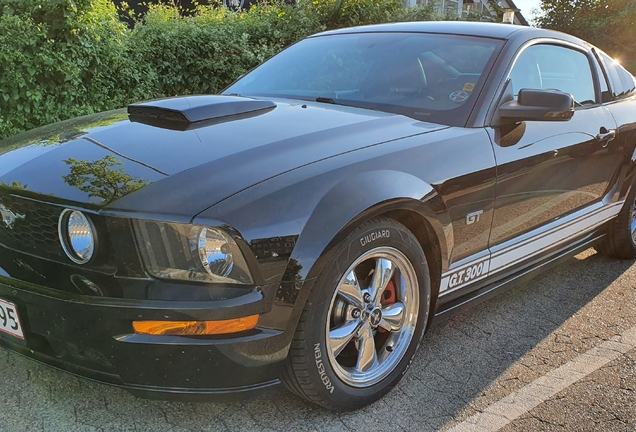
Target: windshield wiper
348, 103
326, 100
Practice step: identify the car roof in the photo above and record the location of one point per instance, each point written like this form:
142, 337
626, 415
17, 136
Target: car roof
468, 28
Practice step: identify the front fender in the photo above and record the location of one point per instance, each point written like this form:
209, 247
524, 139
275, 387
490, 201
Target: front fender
365, 195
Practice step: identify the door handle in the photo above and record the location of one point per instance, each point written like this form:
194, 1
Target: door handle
606, 135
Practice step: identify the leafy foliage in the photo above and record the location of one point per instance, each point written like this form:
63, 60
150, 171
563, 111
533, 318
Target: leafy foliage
59, 60
609, 24
206, 52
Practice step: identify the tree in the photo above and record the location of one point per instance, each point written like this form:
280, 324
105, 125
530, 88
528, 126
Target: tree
104, 178
608, 24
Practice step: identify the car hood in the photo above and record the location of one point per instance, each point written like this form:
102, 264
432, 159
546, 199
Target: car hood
108, 163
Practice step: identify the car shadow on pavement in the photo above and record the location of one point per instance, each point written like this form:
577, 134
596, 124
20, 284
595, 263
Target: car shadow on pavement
463, 364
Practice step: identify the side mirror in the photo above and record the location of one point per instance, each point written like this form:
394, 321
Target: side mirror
538, 105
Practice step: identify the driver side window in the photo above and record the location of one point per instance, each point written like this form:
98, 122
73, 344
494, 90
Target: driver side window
554, 67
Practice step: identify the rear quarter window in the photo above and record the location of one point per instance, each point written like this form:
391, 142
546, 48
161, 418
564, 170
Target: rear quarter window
622, 82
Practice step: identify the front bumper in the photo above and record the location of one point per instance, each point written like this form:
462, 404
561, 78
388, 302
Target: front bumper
93, 337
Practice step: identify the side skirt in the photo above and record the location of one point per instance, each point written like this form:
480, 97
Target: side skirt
448, 308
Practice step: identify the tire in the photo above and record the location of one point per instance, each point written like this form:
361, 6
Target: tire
621, 233
374, 324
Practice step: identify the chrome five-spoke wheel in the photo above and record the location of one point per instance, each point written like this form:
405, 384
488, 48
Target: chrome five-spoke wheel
363, 319
372, 317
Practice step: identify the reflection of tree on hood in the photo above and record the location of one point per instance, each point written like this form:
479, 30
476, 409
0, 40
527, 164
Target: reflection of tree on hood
13, 185
62, 132
102, 178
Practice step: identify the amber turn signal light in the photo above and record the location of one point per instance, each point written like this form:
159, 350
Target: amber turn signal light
192, 328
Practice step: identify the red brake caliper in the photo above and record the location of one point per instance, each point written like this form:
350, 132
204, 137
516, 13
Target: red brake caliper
388, 298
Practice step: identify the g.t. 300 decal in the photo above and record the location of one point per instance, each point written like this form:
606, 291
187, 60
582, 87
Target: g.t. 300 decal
464, 275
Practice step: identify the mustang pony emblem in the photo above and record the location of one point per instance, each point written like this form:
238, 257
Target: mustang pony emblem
9, 217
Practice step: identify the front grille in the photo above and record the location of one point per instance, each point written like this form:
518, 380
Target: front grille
30, 227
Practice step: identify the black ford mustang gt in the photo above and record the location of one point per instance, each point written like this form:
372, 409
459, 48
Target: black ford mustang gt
308, 224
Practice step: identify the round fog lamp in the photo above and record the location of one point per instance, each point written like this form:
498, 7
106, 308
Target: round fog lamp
77, 236
215, 252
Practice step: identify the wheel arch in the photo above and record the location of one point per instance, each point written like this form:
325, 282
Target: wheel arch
429, 242
403, 211
630, 174
625, 177
396, 195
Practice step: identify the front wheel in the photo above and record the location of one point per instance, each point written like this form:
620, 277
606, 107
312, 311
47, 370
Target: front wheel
363, 320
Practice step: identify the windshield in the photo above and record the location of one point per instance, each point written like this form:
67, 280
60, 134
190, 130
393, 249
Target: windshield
431, 77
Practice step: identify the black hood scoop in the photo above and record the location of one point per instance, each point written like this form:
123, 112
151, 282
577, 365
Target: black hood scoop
193, 112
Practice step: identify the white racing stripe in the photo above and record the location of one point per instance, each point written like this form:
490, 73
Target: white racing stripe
513, 406
536, 244
529, 246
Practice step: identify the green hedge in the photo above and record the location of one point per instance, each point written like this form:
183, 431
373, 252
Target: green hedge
65, 58
204, 53
59, 61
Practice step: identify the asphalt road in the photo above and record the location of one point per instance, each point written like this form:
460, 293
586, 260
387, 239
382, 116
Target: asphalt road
556, 353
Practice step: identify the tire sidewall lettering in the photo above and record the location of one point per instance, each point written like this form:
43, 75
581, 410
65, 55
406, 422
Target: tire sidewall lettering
374, 236
320, 367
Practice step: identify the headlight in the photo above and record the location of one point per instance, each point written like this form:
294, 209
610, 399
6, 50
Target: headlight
77, 236
191, 252
215, 251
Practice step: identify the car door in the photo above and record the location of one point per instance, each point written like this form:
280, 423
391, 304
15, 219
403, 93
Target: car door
549, 169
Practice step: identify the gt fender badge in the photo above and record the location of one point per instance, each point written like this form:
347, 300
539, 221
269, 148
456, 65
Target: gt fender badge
9, 217
473, 217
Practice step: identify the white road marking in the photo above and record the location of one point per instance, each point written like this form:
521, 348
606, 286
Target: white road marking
513, 406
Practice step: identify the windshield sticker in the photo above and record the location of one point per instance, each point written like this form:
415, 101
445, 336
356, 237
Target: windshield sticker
468, 87
459, 96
